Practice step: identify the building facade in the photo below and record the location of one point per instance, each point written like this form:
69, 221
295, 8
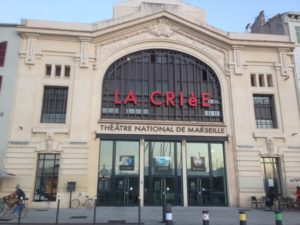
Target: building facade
155, 105
9, 47
287, 23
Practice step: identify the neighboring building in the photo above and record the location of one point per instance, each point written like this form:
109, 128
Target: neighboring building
9, 47
287, 23
155, 104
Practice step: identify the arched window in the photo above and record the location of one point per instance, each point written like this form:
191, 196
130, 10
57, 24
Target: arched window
160, 84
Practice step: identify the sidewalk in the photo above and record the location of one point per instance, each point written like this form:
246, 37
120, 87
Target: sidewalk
153, 216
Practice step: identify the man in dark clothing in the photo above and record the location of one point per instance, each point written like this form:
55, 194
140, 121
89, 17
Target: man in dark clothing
270, 200
20, 195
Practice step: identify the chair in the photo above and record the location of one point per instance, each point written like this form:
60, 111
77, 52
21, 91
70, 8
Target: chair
256, 202
282, 203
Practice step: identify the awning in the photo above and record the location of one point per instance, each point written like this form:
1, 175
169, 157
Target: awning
6, 174
296, 179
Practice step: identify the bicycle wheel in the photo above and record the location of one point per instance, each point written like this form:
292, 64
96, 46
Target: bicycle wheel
75, 203
89, 203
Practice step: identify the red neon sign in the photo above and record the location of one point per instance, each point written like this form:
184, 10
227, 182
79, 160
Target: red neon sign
168, 99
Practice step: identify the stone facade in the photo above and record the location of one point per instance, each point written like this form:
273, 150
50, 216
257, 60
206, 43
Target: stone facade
287, 23
8, 34
89, 50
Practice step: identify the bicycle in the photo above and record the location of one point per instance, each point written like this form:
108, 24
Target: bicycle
14, 209
82, 200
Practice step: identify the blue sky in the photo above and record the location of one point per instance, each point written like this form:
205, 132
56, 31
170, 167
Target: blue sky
228, 15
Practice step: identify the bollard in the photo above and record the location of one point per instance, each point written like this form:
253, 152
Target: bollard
205, 217
57, 210
169, 215
243, 220
164, 213
139, 210
278, 218
95, 209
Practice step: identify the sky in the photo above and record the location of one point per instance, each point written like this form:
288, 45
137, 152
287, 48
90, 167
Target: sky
228, 15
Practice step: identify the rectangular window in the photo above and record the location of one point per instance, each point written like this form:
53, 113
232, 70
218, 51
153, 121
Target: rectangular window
265, 114
298, 34
46, 177
269, 80
48, 69
261, 80
0, 82
54, 104
3, 46
57, 70
67, 71
253, 80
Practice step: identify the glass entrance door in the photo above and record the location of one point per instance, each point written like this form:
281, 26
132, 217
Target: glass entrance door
272, 179
206, 183
163, 190
163, 173
118, 177
126, 190
198, 191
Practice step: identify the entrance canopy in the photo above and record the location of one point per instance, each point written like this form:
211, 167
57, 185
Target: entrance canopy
4, 174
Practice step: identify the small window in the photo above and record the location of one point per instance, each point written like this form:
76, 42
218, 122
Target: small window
57, 70
269, 80
67, 71
3, 46
297, 29
48, 69
261, 80
0, 82
253, 80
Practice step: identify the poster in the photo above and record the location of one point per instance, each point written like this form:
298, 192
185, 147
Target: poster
126, 162
162, 163
198, 163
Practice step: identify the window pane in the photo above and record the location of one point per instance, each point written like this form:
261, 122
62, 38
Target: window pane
48, 70
57, 70
67, 71
3, 46
106, 151
127, 157
297, 28
0, 82
217, 158
197, 159
47, 177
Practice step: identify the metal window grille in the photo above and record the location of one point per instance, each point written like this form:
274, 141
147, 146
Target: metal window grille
164, 70
3, 46
265, 114
54, 104
46, 177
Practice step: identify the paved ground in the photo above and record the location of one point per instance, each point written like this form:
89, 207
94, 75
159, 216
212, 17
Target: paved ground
153, 216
